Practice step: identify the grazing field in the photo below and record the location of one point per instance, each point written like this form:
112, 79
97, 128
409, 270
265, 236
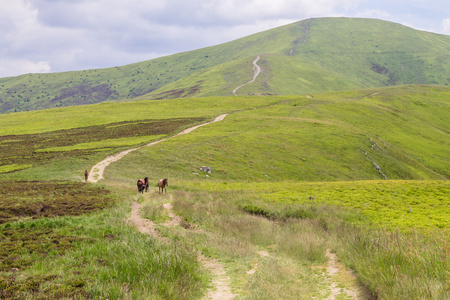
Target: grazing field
330, 137
293, 178
402, 263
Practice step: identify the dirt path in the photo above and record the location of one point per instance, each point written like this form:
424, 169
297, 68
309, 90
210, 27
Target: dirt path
221, 283
220, 289
336, 271
96, 172
301, 40
143, 225
262, 253
257, 70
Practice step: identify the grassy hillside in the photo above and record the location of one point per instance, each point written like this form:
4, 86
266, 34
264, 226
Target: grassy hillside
283, 182
392, 133
84, 134
335, 136
309, 56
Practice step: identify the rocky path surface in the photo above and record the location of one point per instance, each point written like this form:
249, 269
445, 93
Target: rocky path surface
97, 171
257, 70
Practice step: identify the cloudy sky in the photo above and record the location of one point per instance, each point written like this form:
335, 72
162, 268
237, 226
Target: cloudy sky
38, 36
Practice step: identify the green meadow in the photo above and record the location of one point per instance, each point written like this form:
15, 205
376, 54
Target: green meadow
386, 204
291, 176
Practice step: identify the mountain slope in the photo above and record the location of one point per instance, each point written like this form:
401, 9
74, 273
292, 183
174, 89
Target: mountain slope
334, 54
309, 56
393, 133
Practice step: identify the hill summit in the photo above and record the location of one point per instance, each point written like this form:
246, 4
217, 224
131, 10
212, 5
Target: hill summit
309, 56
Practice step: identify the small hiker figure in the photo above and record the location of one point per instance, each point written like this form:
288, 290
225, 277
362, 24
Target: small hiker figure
86, 175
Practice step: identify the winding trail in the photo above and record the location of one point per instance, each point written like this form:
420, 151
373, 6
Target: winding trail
301, 40
334, 270
97, 171
221, 282
143, 225
220, 289
257, 70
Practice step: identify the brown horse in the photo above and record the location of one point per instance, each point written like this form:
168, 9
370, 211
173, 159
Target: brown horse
142, 184
162, 183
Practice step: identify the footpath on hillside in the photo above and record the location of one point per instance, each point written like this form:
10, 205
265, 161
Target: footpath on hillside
97, 171
257, 70
220, 289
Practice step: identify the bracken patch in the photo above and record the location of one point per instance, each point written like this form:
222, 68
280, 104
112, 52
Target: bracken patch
36, 199
39, 287
20, 247
20, 151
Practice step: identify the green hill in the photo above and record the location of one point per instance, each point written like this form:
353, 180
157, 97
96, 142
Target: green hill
326, 137
384, 133
310, 56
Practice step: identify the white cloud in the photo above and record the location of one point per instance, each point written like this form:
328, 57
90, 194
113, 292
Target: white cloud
445, 27
18, 67
374, 14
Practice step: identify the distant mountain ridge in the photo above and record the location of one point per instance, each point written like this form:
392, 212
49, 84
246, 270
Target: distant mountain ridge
310, 56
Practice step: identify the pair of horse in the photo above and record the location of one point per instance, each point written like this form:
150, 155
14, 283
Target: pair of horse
142, 184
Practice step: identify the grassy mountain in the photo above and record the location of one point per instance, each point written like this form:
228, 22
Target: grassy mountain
310, 56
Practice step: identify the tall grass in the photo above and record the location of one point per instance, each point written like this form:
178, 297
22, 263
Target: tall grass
392, 264
296, 248
398, 265
110, 259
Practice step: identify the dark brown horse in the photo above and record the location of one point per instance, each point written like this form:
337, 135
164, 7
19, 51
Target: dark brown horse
162, 183
142, 184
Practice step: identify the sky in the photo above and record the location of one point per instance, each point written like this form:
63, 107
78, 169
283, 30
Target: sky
41, 36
